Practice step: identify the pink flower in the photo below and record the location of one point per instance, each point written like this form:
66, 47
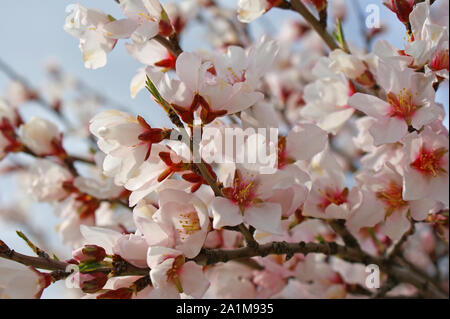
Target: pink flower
426, 166
245, 200
429, 41
21, 282
249, 10
223, 84
45, 181
88, 25
144, 21
329, 197
41, 137
409, 102
182, 222
383, 200
171, 275
126, 140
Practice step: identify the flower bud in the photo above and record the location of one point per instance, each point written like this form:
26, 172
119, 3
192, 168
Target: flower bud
121, 293
89, 253
41, 136
402, 8
91, 282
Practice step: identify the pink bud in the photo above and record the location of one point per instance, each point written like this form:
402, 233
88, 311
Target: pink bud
402, 8
89, 253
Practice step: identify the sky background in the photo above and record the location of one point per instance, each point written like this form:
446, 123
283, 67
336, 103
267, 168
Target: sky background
32, 34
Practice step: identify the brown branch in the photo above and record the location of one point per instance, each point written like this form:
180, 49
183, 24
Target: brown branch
170, 44
402, 274
338, 226
37, 262
12, 74
298, 6
395, 250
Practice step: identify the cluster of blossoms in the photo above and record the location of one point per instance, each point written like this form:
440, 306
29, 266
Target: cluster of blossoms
361, 159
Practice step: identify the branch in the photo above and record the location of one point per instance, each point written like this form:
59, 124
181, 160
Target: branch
170, 44
298, 6
36, 262
12, 74
339, 227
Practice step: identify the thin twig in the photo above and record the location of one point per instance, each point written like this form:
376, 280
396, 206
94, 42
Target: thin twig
298, 6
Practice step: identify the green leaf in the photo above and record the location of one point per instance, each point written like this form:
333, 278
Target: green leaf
339, 36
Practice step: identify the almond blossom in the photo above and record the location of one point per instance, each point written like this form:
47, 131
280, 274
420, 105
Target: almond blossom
426, 166
383, 201
249, 10
225, 84
295, 165
89, 26
245, 201
172, 275
41, 137
409, 102
429, 41
182, 223
142, 23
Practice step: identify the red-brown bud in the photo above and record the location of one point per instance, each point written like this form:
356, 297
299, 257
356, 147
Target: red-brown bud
320, 4
121, 293
402, 8
92, 282
89, 253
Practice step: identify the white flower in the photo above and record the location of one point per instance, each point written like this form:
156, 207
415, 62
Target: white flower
41, 136
45, 181
88, 25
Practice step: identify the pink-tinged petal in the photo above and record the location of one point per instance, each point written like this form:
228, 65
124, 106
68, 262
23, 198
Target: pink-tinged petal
148, 53
370, 213
133, 249
157, 255
334, 120
145, 31
165, 288
426, 115
414, 187
193, 280
120, 29
306, 140
421, 208
388, 131
188, 68
369, 104
243, 100
396, 224
289, 199
154, 233
265, 217
439, 188
225, 213
337, 211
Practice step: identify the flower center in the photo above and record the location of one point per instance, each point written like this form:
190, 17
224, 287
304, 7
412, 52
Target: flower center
392, 197
402, 104
173, 273
145, 17
429, 162
283, 158
189, 224
331, 196
234, 77
440, 61
242, 193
